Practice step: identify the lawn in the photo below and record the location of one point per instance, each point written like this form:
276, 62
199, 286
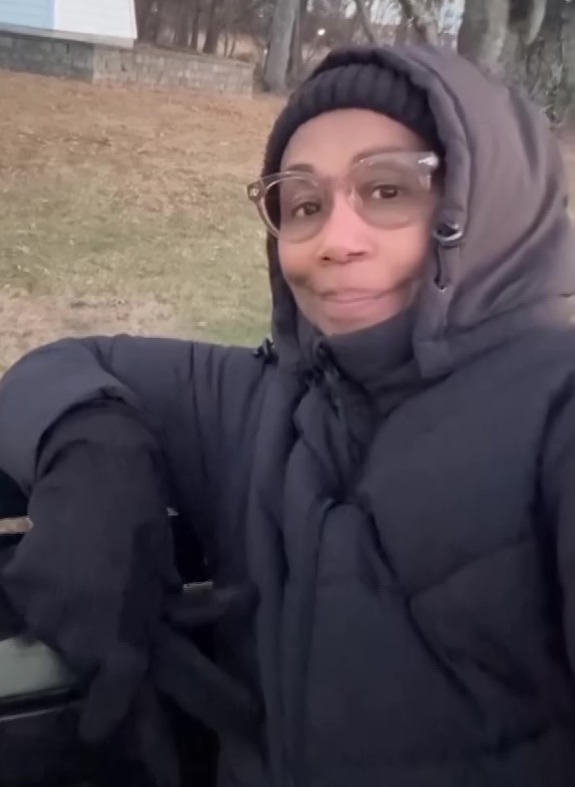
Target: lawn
123, 209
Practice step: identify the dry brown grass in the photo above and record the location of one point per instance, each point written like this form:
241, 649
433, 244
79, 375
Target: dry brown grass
123, 210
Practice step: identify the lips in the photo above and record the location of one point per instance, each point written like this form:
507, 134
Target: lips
349, 296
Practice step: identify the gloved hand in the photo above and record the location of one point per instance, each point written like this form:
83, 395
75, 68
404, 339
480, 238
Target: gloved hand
95, 580
12, 501
92, 577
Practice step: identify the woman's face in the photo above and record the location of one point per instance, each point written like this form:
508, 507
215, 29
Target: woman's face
361, 266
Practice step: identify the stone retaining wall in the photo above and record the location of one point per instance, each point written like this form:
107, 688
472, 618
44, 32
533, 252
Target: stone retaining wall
158, 67
94, 62
50, 56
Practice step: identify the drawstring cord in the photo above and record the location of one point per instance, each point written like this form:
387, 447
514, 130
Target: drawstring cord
266, 351
325, 375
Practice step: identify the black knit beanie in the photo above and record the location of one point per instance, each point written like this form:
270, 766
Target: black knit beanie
352, 79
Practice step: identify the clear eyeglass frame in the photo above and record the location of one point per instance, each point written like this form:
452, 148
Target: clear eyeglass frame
424, 163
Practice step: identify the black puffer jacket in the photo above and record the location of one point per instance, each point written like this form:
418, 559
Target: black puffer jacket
415, 568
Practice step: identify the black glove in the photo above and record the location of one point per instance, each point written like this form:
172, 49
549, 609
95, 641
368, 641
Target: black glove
92, 577
95, 580
13, 503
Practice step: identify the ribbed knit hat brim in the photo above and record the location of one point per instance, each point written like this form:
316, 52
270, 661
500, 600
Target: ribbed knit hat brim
352, 85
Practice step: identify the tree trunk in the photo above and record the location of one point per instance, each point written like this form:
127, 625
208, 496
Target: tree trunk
365, 22
531, 44
423, 15
167, 21
483, 32
181, 32
295, 69
542, 68
213, 28
149, 28
143, 12
527, 18
276, 65
195, 26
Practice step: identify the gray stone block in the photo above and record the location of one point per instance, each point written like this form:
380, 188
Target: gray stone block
93, 62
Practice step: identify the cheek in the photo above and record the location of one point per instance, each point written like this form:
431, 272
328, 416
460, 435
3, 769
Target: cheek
295, 262
405, 250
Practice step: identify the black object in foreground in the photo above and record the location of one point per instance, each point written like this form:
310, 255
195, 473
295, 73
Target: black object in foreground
38, 702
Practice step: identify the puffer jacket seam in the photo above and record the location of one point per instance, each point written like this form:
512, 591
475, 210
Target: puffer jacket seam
412, 761
514, 543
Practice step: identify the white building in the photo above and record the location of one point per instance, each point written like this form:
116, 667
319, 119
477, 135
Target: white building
111, 21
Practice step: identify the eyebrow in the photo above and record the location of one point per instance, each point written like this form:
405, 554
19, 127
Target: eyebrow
355, 159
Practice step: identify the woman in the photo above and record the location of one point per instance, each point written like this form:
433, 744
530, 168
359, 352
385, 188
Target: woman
393, 477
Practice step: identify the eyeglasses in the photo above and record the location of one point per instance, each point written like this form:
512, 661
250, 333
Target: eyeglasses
388, 190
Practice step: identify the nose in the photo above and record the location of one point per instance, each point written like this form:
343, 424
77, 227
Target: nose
344, 236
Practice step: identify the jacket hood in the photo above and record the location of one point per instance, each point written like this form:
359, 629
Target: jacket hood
501, 260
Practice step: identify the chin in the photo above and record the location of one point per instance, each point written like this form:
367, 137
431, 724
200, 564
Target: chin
332, 325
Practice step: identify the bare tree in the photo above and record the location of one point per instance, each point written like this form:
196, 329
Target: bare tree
483, 32
195, 20
143, 13
424, 16
488, 26
295, 68
529, 17
185, 23
531, 43
213, 27
365, 22
276, 66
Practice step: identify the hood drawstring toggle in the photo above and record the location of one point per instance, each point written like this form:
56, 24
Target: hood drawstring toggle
266, 351
448, 235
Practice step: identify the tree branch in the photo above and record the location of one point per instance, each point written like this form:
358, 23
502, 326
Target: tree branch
424, 17
483, 32
365, 22
531, 20
251, 8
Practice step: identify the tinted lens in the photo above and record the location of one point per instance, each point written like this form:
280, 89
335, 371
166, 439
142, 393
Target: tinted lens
296, 206
392, 193
388, 190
